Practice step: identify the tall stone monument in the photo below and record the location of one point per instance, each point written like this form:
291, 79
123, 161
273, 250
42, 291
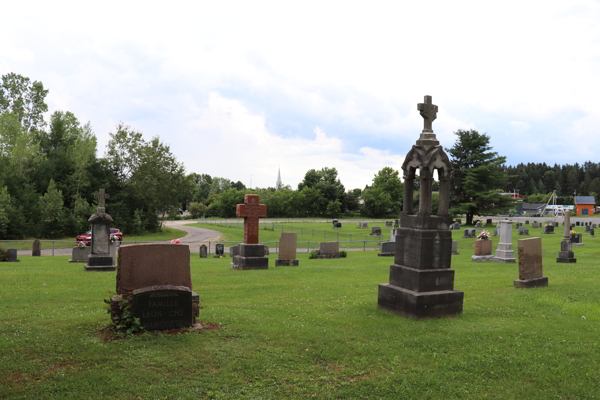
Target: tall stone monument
100, 258
251, 253
421, 282
504, 251
566, 254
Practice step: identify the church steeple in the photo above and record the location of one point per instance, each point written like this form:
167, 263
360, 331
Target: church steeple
278, 184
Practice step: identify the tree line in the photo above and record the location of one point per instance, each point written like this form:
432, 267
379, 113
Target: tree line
49, 172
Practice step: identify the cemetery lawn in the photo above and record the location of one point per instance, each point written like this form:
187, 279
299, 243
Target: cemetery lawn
313, 232
312, 331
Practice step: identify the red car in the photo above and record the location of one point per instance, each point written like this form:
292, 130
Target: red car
87, 237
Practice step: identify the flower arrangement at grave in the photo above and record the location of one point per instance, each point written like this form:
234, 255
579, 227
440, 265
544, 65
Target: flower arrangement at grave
484, 235
113, 239
81, 245
176, 241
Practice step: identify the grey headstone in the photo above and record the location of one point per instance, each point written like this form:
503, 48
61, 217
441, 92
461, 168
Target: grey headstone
11, 255
376, 230
219, 249
329, 248
203, 251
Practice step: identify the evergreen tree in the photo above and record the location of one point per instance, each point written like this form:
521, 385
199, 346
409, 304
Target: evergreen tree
478, 176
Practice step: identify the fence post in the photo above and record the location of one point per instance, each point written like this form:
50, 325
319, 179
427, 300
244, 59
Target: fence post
338, 234
208, 248
53, 247
365, 245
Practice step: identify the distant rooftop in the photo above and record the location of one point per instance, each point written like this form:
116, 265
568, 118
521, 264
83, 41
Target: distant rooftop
585, 200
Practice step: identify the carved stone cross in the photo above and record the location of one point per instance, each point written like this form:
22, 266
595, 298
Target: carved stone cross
101, 196
251, 210
428, 112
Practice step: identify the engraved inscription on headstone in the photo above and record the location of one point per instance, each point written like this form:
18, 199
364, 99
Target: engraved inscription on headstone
163, 307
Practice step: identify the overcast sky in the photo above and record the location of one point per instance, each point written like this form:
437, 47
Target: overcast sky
238, 89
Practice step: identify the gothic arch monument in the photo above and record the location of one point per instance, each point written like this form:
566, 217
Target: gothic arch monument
421, 283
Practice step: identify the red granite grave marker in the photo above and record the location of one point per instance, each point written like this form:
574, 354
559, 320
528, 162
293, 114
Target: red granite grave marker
251, 210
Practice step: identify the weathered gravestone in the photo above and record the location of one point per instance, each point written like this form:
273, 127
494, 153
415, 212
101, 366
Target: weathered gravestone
469, 233
203, 251
421, 283
80, 254
566, 255
488, 221
387, 249
531, 269
234, 251
587, 228
594, 226
517, 225
456, 226
455, 248
483, 250
100, 258
577, 223
523, 231
478, 225
526, 222
376, 230
36, 250
156, 281
287, 250
592, 233
252, 254
335, 224
548, 229
504, 250
496, 231
389, 224
219, 250
329, 250
11, 255
576, 239
363, 225
535, 224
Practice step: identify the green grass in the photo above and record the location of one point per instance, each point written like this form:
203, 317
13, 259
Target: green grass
63, 243
312, 331
313, 232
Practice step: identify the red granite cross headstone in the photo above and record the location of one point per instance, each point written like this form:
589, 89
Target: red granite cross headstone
251, 210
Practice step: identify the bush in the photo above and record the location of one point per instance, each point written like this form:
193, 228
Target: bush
3, 254
343, 253
313, 254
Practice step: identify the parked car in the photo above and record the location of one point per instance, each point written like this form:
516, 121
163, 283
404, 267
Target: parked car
87, 237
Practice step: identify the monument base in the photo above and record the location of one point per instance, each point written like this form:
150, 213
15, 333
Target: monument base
482, 258
404, 302
281, 262
566, 260
530, 283
100, 262
455, 253
387, 254
577, 244
250, 257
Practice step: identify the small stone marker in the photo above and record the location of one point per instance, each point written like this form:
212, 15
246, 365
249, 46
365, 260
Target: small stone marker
526, 222
80, 254
470, 233
576, 239
549, 229
577, 223
251, 253
11, 255
504, 250
456, 226
478, 225
483, 250
389, 224
488, 221
587, 228
219, 250
329, 248
455, 248
36, 250
376, 230
203, 251
287, 250
523, 231
363, 225
531, 269
234, 251
535, 224
387, 249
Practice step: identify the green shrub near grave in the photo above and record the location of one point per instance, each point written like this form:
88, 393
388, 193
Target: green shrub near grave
3, 254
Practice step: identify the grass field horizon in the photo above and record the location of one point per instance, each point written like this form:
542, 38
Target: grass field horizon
312, 331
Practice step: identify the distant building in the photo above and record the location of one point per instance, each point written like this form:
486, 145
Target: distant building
585, 205
530, 208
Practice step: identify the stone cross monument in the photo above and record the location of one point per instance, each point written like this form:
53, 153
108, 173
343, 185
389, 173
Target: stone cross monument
251, 254
100, 258
421, 282
251, 210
